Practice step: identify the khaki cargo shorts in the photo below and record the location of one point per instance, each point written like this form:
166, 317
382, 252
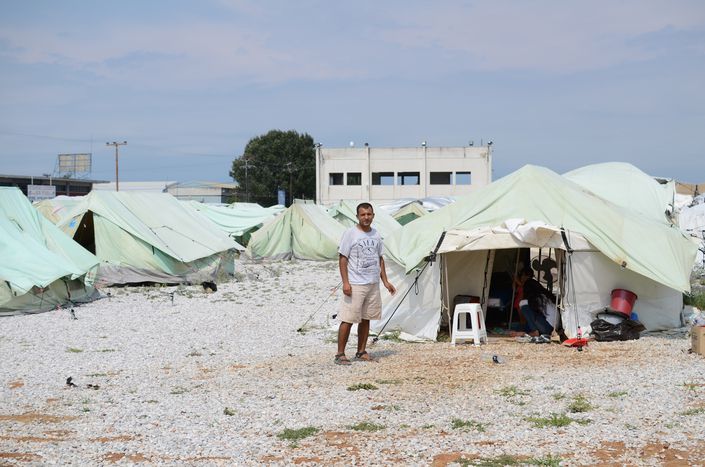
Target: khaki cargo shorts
365, 303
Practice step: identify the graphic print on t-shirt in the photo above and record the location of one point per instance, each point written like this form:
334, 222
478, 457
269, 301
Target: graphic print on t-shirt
368, 255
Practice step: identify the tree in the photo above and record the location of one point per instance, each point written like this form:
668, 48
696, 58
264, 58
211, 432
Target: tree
277, 160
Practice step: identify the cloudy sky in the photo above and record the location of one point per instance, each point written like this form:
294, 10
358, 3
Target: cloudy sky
188, 83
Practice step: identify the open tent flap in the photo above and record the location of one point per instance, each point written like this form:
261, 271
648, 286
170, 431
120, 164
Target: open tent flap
419, 313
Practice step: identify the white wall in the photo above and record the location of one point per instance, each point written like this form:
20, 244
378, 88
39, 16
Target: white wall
424, 160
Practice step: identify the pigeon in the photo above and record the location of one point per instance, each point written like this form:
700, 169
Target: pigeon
69, 382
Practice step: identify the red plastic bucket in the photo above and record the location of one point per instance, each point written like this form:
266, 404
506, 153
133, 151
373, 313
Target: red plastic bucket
623, 301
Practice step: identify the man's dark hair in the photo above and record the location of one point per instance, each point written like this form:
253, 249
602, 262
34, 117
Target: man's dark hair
364, 206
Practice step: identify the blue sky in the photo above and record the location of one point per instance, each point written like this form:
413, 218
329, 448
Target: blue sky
187, 84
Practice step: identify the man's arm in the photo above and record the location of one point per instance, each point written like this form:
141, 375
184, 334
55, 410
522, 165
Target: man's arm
343, 266
383, 276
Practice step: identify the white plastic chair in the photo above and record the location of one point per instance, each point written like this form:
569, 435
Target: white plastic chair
477, 331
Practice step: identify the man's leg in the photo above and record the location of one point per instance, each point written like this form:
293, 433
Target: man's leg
343, 335
363, 332
530, 316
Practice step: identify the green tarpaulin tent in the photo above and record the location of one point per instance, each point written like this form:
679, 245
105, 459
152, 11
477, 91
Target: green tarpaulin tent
40, 267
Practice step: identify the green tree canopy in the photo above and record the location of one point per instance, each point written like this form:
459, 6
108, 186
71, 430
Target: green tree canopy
276, 160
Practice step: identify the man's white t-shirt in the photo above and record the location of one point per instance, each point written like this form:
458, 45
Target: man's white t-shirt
363, 250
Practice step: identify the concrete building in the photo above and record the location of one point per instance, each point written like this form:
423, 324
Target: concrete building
383, 175
204, 192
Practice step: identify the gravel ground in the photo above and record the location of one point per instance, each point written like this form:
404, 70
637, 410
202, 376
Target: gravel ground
224, 378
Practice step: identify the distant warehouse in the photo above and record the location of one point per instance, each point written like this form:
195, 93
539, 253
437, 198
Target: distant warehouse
383, 175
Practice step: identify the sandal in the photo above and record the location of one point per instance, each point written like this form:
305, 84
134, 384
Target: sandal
364, 357
341, 359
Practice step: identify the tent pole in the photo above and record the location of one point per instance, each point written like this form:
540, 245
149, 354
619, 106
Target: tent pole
514, 291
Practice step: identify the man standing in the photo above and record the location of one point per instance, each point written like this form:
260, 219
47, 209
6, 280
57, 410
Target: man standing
361, 268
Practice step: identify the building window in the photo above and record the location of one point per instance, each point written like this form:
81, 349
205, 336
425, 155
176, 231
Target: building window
440, 178
408, 178
335, 178
383, 178
462, 178
354, 178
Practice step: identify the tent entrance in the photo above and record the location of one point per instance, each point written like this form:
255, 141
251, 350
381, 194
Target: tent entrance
486, 277
85, 233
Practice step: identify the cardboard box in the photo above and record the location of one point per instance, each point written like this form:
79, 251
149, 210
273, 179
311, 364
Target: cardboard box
697, 339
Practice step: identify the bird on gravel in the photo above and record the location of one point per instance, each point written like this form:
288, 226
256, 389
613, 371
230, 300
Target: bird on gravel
69, 382
73, 314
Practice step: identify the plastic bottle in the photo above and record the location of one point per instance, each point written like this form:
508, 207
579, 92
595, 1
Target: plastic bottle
493, 358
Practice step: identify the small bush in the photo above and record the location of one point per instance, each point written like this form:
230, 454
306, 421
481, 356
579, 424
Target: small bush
555, 420
366, 426
512, 391
362, 387
579, 405
695, 411
298, 434
457, 423
229, 412
617, 394
696, 299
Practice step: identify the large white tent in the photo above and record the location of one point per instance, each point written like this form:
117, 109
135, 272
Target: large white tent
598, 246
40, 267
303, 231
146, 237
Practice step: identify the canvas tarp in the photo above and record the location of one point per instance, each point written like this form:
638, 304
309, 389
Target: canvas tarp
345, 213
303, 231
148, 237
41, 267
627, 186
614, 246
237, 219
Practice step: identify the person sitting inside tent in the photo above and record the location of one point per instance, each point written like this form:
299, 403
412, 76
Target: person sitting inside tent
537, 306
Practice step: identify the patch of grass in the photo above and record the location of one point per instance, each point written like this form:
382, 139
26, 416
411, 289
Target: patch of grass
74, 350
616, 394
499, 461
428, 426
229, 412
178, 390
555, 420
548, 461
558, 396
194, 353
291, 434
107, 350
458, 423
512, 391
96, 375
362, 387
691, 386
392, 336
694, 411
580, 405
367, 426
388, 381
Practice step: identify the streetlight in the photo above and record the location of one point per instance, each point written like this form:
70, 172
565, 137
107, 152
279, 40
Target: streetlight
116, 144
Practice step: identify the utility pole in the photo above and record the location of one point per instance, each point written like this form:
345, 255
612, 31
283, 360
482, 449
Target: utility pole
247, 185
291, 195
116, 144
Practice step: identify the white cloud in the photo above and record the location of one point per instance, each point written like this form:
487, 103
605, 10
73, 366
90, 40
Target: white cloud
545, 35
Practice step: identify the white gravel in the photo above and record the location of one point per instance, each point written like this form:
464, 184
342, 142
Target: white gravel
168, 373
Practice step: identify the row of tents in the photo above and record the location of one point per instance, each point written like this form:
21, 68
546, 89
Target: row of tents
602, 227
